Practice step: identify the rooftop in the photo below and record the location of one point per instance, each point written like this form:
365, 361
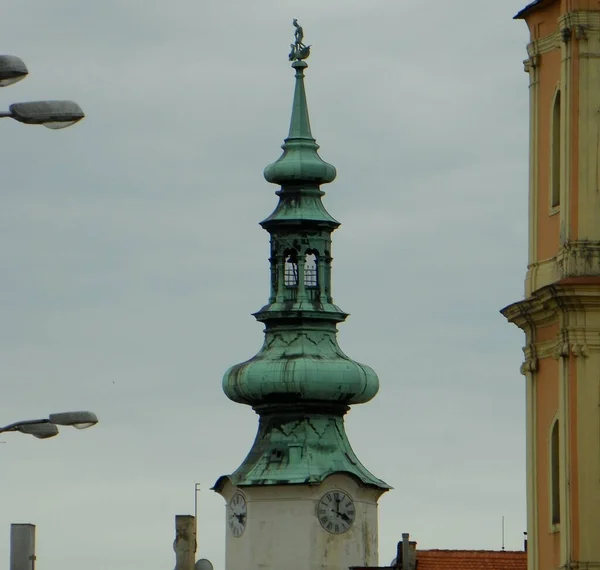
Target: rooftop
471, 560
465, 560
531, 6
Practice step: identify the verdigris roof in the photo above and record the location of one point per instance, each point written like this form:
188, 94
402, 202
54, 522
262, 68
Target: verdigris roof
299, 451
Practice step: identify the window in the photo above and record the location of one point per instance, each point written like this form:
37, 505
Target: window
310, 271
555, 154
555, 474
290, 274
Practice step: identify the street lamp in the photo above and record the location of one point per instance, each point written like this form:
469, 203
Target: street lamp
51, 114
47, 427
12, 69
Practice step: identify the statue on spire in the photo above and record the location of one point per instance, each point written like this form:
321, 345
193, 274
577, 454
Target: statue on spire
299, 50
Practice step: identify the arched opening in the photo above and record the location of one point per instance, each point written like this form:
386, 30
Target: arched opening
311, 278
290, 272
555, 474
555, 153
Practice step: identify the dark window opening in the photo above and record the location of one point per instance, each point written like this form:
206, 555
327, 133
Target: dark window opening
555, 473
555, 154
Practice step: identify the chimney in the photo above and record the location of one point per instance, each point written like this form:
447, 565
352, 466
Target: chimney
22, 547
406, 556
525, 541
185, 542
405, 552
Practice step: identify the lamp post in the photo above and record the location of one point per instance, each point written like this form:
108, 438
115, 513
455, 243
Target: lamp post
51, 114
47, 427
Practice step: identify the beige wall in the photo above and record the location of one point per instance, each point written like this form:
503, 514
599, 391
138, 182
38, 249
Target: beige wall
283, 530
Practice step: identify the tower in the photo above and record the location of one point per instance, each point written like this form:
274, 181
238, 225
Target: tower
560, 313
301, 499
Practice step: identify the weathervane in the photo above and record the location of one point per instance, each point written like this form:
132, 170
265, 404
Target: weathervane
299, 50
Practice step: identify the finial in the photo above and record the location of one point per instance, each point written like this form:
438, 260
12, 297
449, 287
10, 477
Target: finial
299, 50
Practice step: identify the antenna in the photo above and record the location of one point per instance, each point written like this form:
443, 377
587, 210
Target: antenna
502, 532
196, 491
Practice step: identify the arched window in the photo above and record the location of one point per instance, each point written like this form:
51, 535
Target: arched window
555, 174
555, 474
311, 279
290, 274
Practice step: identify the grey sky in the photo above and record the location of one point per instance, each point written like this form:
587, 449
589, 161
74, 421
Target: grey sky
132, 259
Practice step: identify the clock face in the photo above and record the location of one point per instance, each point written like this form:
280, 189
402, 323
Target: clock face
236, 515
336, 512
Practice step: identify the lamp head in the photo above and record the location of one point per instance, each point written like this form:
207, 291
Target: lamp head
12, 69
51, 114
79, 420
39, 430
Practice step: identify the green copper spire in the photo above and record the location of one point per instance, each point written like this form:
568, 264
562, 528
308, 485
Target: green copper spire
300, 122
300, 161
300, 383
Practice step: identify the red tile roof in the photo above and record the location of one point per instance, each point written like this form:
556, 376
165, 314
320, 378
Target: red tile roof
471, 560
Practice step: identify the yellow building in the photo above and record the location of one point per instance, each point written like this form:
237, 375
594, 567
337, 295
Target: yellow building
560, 313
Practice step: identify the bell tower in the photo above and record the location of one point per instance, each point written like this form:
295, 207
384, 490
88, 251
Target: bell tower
301, 499
560, 312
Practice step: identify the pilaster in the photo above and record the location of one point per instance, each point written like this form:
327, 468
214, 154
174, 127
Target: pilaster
532, 68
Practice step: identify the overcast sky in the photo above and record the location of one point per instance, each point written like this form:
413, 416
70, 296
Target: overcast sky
132, 258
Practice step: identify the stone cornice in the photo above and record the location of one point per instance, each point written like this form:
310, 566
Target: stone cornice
545, 44
572, 26
580, 23
539, 47
545, 304
570, 303
575, 259
581, 565
579, 258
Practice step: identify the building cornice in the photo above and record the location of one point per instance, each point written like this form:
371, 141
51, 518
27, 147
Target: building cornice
570, 303
572, 293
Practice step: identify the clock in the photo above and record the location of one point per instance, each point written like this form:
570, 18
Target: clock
237, 514
336, 512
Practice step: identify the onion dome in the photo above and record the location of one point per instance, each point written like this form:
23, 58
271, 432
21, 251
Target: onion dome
303, 366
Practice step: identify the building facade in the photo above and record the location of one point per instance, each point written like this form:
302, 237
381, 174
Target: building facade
560, 313
301, 500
